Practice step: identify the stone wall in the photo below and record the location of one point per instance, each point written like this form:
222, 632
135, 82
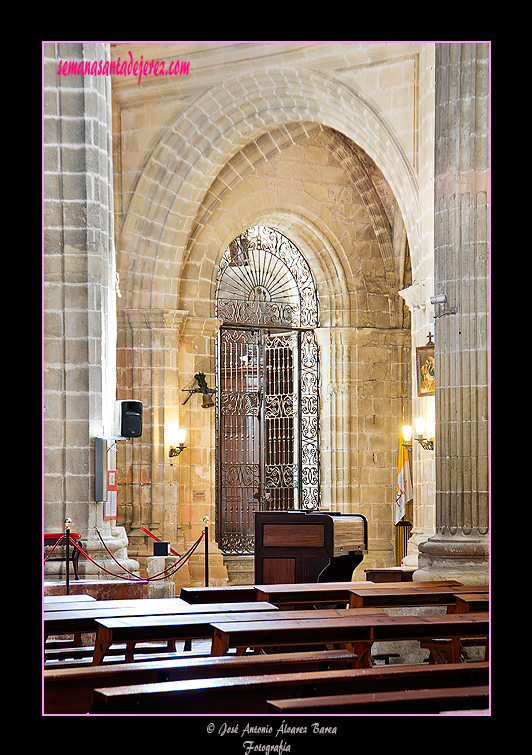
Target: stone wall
151, 178
79, 299
195, 164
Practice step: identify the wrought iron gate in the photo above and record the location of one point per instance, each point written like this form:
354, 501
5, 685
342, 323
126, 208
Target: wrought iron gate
267, 419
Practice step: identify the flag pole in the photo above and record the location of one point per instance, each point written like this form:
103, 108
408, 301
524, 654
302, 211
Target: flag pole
404, 494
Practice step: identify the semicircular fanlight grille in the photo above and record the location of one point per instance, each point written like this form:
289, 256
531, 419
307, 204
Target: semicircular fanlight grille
263, 279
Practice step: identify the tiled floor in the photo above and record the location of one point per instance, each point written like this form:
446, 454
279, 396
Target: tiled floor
198, 647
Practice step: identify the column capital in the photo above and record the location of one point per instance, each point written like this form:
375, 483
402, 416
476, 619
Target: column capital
201, 326
152, 318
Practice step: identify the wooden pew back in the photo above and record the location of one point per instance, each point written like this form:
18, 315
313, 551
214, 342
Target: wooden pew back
249, 694
71, 690
416, 702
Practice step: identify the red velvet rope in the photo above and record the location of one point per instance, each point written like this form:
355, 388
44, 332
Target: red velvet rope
86, 556
171, 569
136, 578
55, 546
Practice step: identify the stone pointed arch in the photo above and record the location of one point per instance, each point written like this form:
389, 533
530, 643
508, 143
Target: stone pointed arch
365, 176
207, 133
302, 221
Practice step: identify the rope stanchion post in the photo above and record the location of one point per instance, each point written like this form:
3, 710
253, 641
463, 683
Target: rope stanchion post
206, 533
68, 522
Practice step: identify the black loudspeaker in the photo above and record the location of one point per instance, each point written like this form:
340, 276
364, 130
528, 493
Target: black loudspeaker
128, 419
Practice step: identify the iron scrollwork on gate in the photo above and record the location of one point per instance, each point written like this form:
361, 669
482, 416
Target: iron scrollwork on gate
264, 279
309, 417
267, 374
280, 424
238, 438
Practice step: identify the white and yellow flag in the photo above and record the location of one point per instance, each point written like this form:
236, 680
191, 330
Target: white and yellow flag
404, 483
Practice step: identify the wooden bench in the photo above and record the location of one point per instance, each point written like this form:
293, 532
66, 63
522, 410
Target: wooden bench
410, 595
85, 619
71, 690
391, 574
62, 611
131, 630
91, 605
224, 594
297, 595
472, 602
338, 592
250, 694
60, 600
305, 593
356, 632
413, 702
441, 649
257, 592
66, 603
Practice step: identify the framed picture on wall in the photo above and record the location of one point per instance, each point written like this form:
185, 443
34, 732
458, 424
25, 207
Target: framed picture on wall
110, 511
425, 369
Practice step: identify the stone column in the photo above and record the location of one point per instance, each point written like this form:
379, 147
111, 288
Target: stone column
459, 549
196, 465
148, 347
364, 383
79, 294
159, 352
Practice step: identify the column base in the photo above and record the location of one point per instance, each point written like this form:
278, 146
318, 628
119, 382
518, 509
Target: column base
465, 559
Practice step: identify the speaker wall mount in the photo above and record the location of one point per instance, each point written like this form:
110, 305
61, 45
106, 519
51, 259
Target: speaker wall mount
128, 419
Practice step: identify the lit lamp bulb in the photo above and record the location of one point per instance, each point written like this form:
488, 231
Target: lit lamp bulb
407, 433
420, 427
427, 442
180, 434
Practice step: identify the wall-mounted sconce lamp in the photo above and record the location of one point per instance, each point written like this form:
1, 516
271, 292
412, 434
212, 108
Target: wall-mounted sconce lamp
203, 388
407, 437
425, 433
176, 450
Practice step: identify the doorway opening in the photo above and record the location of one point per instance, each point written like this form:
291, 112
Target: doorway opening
267, 413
